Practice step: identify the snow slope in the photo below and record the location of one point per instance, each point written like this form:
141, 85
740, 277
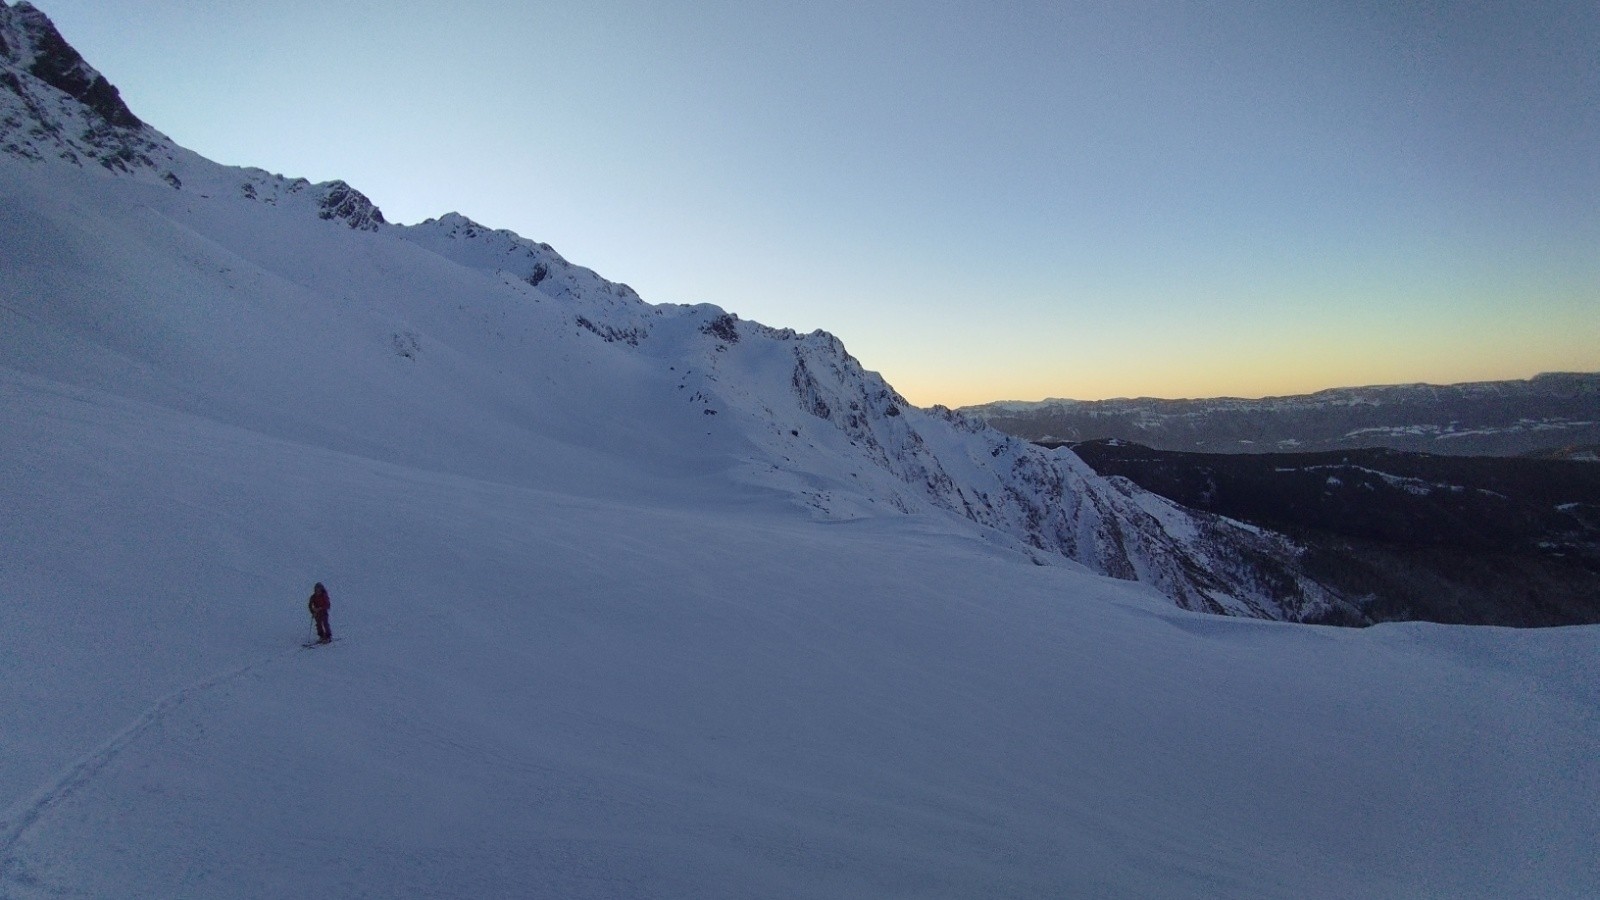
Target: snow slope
644, 601
541, 693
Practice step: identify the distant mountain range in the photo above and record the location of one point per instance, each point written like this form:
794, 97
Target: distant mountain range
1551, 415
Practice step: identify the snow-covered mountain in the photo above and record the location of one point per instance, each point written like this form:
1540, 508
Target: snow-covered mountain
642, 600
1540, 415
806, 418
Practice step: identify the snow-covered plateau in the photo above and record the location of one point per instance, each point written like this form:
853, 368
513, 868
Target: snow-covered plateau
641, 600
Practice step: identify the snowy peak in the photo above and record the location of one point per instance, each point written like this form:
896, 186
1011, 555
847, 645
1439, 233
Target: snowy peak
54, 105
342, 203
30, 41
497, 250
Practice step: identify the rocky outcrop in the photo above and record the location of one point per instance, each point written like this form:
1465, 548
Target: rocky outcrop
53, 104
343, 203
1054, 503
35, 44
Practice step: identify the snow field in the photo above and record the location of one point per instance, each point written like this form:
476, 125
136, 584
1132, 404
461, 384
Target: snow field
546, 694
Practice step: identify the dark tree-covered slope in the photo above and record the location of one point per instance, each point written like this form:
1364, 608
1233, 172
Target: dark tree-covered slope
1406, 535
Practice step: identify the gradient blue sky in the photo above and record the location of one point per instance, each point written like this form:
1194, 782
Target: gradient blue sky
1003, 200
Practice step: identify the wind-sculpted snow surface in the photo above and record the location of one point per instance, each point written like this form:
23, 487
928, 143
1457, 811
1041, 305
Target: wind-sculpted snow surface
645, 600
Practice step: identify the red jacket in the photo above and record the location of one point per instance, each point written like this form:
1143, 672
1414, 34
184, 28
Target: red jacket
319, 602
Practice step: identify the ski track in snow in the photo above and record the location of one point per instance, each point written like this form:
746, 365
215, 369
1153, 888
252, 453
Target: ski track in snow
25, 814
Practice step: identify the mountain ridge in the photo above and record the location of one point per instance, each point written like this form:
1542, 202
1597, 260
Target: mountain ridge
1493, 418
791, 391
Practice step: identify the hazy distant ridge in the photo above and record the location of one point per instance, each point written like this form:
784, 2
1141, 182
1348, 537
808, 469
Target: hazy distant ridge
1487, 418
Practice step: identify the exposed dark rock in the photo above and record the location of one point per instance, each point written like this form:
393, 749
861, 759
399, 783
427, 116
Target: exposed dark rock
407, 344
724, 327
57, 64
54, 105
611, 333
344, 203
807, 389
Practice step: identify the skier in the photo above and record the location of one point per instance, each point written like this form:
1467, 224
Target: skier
319, 604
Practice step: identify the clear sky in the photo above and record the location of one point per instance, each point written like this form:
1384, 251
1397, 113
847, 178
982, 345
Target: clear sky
985, 200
